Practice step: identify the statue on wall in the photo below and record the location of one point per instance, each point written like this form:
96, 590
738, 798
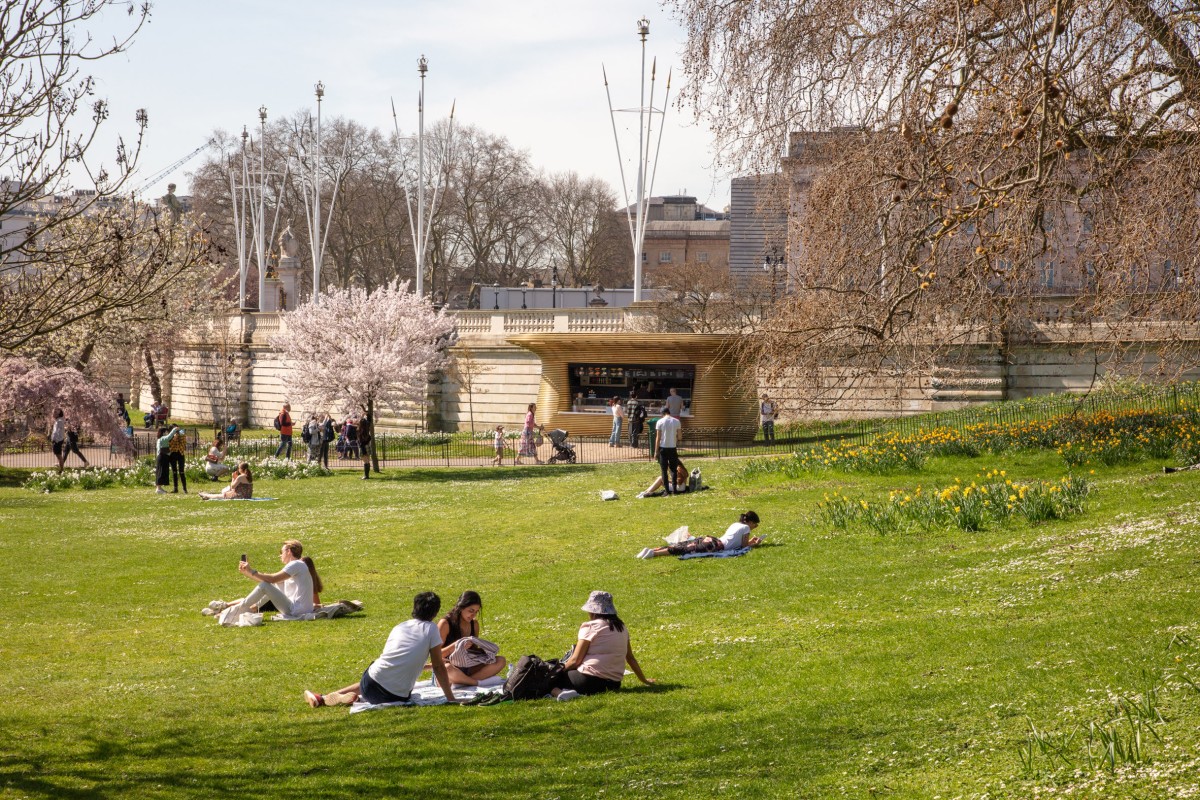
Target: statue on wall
282, 299
289, 245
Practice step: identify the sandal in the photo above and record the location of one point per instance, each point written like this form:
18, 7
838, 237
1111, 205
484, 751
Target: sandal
313, 699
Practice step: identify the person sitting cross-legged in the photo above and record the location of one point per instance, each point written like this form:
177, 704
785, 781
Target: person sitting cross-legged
391, 677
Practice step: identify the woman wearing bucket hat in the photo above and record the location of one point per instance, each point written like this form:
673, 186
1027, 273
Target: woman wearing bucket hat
597, 662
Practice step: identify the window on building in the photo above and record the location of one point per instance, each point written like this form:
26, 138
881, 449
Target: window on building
702, 257
664, 257
645, 258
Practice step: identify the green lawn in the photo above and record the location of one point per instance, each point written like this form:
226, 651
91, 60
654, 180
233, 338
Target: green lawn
828, 664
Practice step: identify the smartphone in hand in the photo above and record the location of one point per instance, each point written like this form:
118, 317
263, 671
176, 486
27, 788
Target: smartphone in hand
243, 558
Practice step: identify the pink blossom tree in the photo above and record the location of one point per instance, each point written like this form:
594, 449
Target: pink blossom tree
29, 393
359, 352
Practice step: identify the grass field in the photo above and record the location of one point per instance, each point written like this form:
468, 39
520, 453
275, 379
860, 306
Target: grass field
827, 664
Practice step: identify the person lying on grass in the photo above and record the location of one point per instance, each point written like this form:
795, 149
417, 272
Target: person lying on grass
241, 487
463, 622
597, 662
736, 537
391, 677
290, 590
681, 479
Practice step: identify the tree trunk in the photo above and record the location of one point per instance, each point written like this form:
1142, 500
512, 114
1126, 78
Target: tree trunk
85, 355
374, 434
155, 384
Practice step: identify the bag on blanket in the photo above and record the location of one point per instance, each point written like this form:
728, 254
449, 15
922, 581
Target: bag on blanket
531, 678
471, 651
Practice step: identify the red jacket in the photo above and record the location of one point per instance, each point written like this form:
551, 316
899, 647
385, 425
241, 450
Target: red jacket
285, 423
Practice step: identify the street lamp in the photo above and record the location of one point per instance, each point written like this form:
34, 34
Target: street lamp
554, 286
523, 298
496, 291
772, 261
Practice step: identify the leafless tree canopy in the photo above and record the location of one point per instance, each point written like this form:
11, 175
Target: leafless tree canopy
53, 272
967, 168
498, 219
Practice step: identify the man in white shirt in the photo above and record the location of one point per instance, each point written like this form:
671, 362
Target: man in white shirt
391, 677
665, 443
290, 590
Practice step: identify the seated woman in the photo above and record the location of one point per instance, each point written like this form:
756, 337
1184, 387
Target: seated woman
240, 488
214, 463
736, 537
681, 479
597, 662
290, 590
460, 623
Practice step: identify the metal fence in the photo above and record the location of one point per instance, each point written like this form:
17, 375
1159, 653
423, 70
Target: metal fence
449, 450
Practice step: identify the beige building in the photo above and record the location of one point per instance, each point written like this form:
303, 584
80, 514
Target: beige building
680, 230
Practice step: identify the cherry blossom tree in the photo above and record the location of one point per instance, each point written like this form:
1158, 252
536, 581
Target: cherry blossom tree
29, 393
361, 351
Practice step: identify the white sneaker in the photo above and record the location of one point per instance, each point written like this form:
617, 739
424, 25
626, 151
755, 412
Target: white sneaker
218, 605
641, 495
647, 552
567, 694
160, 490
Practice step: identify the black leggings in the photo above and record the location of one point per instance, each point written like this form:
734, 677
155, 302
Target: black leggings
178, 468
668, 462
584, 684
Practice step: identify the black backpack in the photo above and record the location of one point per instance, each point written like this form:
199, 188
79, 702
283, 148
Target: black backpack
531, 678
639, 413
278, 423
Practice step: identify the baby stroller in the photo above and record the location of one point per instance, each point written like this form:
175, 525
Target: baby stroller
564, 451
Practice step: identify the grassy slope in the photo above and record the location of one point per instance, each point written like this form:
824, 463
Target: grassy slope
827, 664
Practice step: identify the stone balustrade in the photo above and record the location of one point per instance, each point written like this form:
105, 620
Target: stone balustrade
505, 323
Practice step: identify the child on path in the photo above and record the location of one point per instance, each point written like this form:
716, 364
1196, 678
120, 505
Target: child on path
498, 444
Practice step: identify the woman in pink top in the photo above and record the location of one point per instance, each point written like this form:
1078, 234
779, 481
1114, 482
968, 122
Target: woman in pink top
598, 660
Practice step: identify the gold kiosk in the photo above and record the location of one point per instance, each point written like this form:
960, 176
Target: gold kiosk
582, 372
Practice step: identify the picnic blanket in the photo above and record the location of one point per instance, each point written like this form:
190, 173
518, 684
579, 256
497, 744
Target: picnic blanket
426, 694
251, 619
741, 551
243, 499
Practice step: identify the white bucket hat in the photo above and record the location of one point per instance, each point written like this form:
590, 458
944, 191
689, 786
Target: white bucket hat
600, 603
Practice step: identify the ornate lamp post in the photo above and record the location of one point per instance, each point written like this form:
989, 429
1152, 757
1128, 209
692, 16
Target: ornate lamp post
554, 286
772, 261
496, 292
523, 297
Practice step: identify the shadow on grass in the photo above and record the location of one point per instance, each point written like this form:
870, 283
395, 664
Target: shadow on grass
13, 477
438, 475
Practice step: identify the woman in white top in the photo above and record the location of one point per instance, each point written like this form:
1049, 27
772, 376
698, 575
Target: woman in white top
290, 590
736, 537
618, 415
58, 437
597, 662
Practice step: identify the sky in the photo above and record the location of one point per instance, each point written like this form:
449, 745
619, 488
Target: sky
530, 71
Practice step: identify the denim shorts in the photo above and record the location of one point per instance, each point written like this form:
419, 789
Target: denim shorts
370, 691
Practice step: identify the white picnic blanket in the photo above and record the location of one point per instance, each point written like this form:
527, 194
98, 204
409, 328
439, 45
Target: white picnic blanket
426, 694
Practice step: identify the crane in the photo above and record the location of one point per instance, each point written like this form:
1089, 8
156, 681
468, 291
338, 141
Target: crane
158, 176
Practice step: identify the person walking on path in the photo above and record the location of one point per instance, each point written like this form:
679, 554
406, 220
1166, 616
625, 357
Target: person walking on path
283, 424
73, 443
58, 437
498, 446
176, 457
364, 436
618, 415
391, 677
327, 437
528, 446
665, 445
767, 411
